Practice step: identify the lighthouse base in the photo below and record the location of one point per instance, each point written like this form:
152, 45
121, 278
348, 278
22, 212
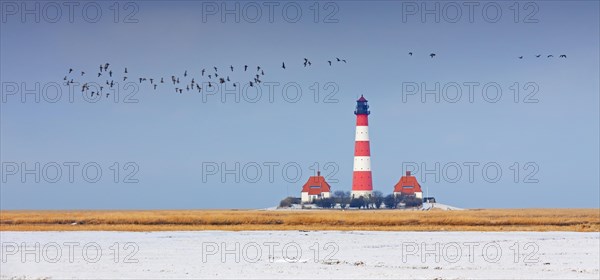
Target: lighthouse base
358, 194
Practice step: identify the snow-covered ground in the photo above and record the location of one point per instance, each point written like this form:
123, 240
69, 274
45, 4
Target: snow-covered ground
297, 254
429, 206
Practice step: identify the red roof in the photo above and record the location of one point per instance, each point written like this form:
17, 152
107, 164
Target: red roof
408, 184
362, 99
316, 185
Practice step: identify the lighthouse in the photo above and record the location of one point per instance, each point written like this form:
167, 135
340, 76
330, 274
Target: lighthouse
362, 182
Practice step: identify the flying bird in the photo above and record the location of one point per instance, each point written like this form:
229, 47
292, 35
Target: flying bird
410, 53
538, 55
245, 67
550, 55
431, 55
329, 62
282, 66
231, 67
125, 70
563, 56
520, 57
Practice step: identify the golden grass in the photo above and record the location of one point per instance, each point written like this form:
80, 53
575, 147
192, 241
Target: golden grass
587, 220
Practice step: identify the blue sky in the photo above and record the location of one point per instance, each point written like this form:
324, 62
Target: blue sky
170, 137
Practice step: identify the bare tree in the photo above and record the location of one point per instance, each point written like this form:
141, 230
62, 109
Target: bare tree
341, 197
377, 199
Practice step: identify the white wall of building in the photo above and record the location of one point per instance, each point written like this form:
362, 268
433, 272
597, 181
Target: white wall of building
306, 198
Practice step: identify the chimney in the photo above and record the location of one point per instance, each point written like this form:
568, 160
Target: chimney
319, 173
407, 173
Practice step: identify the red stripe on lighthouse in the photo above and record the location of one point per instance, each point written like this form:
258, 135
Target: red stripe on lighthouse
362, 120
362, 149
362, 181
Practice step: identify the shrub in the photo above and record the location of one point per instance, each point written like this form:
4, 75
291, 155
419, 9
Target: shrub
390, 201
288, 201
325, 202
359, 202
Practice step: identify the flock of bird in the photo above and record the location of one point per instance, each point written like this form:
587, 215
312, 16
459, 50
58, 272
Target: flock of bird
432, 55
549, 56
208, 76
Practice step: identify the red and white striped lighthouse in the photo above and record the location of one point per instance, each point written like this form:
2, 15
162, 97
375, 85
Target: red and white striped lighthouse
362, 182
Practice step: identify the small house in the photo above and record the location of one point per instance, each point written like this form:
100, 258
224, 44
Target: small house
315, 188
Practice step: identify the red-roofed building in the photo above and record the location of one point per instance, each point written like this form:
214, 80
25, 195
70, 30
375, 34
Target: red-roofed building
408, 185
315, 188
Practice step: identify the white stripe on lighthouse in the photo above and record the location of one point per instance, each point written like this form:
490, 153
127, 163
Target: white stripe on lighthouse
362, 133
362, 163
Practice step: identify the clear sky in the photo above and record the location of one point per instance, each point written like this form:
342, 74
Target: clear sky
171, 148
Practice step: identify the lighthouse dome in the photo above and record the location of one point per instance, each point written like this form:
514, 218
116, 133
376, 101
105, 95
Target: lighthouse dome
362, 108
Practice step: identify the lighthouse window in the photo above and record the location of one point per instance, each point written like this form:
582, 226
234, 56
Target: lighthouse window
407, 187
